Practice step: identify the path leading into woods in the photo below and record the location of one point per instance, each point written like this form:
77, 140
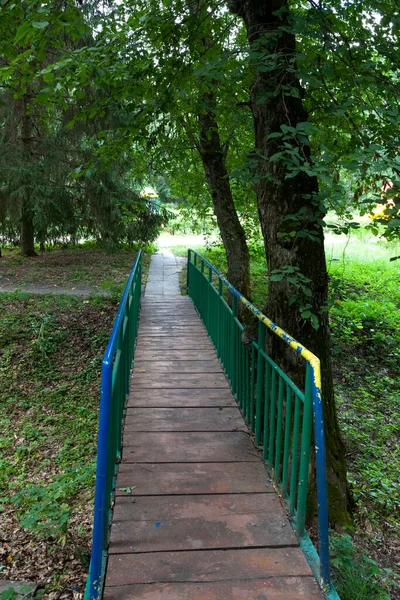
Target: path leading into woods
195, 516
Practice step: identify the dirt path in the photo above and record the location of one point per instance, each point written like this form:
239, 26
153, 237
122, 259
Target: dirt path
78, 289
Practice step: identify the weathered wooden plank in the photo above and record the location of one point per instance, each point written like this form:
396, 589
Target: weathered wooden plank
155, 523
175, 344
174, 354
187, 336
170, 319
188, 447
184, 419
171, 329
285, 588
178, 301
185, 381
194, 478
194, 334
177, 366
174, 310
173, 319
185, 398
206, 566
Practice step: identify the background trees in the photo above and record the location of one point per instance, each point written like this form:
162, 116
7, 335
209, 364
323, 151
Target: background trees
54, 182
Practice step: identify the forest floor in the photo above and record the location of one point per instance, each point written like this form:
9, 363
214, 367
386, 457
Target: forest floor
365, 303
51, 347
74, 272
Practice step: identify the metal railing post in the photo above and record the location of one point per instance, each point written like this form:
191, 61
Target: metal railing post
114, 386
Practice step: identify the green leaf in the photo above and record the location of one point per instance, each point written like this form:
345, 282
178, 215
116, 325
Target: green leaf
40, 24
314, 322
306, 314
22, 31
48, 77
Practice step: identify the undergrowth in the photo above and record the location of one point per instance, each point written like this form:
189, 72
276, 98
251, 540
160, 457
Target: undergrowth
50, 358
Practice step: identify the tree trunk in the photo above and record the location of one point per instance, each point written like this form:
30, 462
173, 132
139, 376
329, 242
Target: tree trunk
290, 216
27, 230
232, 232
214, 162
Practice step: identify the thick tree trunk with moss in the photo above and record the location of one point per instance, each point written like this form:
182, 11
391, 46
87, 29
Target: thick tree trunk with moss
27, 229
232, 232
290, 216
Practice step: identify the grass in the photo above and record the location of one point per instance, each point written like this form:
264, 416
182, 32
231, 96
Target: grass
51, 347
94, 269
365, 298
50, 362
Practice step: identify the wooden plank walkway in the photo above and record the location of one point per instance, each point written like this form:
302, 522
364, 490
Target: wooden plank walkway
195, 516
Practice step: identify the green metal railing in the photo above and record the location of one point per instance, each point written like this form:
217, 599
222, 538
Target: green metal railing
277, 411
115, 377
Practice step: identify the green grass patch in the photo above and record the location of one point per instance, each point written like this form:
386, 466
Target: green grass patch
50, 360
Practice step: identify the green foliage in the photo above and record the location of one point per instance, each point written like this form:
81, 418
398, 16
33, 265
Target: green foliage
366, 357
50, 362
355, 575
46, 509
9, 594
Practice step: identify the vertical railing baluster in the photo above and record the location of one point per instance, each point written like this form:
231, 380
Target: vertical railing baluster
266, 409
260, 381
278, 432
295, 455
286, 442
272, 420
304, 456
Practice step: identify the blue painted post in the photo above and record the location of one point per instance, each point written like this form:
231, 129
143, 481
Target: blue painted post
322, 494
100, 503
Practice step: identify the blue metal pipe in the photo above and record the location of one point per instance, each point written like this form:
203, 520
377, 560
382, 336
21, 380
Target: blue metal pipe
101, 503
322, 495
100, 500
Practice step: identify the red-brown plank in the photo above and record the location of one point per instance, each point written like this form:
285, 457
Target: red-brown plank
206, 566
285, 588
176, 354
174, 343
194, 478
188, 447
185, 381
184, 419
166, 523
185, 398
177, 366
155, 332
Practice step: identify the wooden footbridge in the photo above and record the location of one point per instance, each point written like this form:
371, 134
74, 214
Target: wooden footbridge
195, 514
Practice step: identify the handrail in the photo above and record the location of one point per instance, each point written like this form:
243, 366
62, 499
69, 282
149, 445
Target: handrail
252, 380
115, 376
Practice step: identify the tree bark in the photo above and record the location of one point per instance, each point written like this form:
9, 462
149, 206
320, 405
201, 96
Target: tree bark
291, 241
232, 232
213, 158
27, 229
